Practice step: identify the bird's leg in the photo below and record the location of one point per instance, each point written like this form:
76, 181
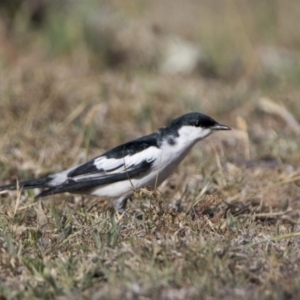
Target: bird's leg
120, 204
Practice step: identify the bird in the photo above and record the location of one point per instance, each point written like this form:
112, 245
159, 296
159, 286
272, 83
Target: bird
141, 163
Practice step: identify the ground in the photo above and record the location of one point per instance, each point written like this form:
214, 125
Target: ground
225, 225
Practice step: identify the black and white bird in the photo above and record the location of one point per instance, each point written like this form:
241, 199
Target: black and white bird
144, 162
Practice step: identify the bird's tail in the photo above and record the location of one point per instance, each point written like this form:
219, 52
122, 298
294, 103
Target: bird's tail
28, 184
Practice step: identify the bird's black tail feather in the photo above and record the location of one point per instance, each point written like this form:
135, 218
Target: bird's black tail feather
28, 184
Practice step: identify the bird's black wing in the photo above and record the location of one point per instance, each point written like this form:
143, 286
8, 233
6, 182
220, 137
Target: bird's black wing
76, 186
114, 156
129, 161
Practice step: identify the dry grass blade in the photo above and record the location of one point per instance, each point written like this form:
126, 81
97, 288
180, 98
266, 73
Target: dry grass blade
269, 106
274, 239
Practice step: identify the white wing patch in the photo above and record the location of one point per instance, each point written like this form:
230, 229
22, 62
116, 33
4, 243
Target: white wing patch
113, 165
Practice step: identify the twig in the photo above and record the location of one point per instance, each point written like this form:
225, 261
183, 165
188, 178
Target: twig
274, 239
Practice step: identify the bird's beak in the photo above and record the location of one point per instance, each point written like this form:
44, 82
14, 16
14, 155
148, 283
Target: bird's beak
220, 127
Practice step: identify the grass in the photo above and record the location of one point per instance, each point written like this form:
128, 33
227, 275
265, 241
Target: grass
225, 225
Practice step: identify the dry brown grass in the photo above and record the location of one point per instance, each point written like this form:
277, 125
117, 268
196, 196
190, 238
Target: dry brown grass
224, 226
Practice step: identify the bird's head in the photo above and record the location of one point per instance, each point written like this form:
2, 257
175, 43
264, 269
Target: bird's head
196, 126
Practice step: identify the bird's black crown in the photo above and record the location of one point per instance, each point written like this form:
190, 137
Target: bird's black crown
194, 119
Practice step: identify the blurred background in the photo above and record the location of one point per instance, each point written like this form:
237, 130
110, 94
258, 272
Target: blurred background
80, 77
103, 72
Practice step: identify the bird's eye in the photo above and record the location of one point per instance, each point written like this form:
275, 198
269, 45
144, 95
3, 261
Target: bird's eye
197, 123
